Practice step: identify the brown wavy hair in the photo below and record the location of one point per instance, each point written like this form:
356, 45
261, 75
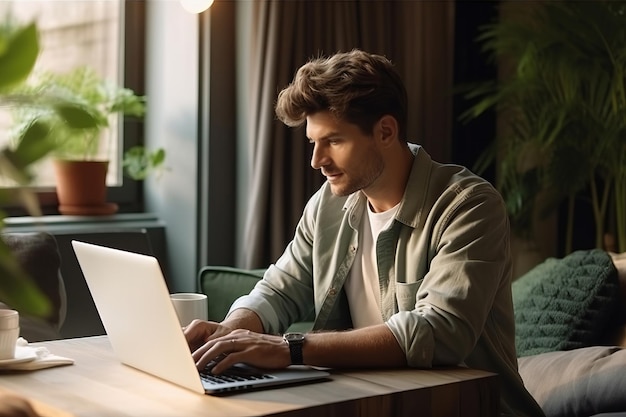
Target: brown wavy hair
356, 86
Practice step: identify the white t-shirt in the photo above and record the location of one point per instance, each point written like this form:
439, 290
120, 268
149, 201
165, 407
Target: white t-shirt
362, 285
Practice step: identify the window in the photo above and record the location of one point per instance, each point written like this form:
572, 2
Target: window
106, 35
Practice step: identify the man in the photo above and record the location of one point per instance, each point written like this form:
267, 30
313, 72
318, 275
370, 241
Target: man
407, 257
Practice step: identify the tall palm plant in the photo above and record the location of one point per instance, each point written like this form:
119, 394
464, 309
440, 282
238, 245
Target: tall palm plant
565, 108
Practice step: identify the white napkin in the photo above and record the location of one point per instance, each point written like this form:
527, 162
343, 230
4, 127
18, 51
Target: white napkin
42, 358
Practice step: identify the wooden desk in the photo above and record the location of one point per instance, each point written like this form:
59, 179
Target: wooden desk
98, 385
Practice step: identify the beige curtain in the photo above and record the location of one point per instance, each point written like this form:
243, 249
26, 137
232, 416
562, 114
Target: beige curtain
416, 35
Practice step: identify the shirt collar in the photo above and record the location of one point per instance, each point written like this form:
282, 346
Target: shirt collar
412, 203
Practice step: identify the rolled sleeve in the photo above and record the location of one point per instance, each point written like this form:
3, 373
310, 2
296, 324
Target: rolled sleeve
263, 309
464, 292
415, 337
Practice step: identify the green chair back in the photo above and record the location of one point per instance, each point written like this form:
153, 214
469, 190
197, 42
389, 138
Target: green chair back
223, 285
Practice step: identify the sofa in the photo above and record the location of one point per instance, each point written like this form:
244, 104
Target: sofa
570, 316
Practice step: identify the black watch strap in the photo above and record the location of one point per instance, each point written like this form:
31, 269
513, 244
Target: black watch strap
295, 342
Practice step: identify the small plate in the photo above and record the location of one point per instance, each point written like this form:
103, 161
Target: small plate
21, 355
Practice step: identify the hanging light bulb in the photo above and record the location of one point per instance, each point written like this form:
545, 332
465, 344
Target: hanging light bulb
196, 6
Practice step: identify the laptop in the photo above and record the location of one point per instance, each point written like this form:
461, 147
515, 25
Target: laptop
133, 301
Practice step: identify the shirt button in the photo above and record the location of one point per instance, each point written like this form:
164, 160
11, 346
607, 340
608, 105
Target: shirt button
332, 291
353, 249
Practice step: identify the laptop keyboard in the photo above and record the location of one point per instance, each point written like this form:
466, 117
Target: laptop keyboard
234, 374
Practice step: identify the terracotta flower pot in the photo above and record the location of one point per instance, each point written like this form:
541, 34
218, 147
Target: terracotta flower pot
81, 187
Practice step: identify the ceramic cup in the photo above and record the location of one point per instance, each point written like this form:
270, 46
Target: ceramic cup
9, 332
190, 306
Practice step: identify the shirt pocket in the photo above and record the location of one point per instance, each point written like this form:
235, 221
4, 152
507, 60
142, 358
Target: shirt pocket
406, 293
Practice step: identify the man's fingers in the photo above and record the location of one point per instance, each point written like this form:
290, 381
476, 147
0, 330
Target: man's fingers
213, 349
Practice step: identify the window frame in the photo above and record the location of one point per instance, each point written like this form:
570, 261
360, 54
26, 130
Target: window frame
128, 195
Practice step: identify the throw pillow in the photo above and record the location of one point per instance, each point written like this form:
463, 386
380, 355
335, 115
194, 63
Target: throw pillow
564, 304
581, 382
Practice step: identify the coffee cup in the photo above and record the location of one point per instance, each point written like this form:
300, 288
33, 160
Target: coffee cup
9, 332
190, 306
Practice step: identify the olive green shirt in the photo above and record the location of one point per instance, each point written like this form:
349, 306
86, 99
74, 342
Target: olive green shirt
444, 269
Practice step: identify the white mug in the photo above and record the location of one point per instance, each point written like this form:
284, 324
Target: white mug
190, 306
9, 332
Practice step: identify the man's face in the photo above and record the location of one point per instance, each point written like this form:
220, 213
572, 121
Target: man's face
348, 158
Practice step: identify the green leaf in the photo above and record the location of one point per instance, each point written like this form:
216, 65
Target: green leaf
18, 290
138, 162
34, 144
18, 58
76, 116
158, 157
11, 168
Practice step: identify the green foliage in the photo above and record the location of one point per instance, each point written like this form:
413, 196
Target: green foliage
76, 104
74, 136
71, 134
139, 162
19, 48
564, 105
17, 289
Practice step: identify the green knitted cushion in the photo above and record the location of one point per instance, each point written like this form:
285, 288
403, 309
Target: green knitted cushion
564, 304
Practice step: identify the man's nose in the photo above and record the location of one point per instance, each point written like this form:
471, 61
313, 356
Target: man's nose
318, 159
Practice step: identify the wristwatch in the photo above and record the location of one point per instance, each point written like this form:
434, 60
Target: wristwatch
295, 342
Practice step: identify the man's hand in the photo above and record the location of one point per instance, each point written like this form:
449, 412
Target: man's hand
240, 346
237, 339
198, 332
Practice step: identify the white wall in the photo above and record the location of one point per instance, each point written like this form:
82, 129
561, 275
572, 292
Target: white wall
172, 122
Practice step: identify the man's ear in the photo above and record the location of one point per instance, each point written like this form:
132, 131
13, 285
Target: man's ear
387, 130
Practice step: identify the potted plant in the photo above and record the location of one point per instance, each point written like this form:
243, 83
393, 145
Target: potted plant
81, 154
564, 106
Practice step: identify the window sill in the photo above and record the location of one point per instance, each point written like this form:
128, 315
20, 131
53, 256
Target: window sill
60, 222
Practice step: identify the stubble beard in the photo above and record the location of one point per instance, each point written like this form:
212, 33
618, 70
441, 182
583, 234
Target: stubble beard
362, 179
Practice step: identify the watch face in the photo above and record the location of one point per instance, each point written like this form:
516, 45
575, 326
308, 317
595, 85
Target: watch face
294, 337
